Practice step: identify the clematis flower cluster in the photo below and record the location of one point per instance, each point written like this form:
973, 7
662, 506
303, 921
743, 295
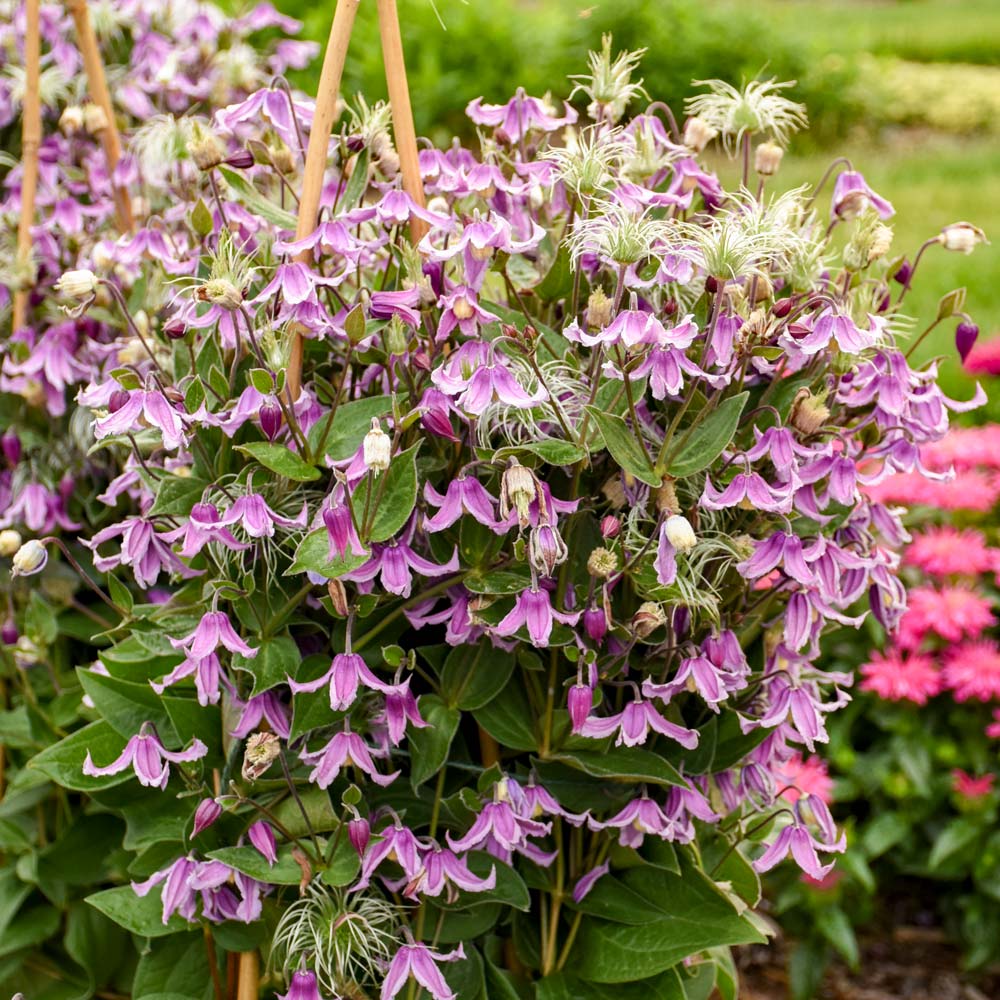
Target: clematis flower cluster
480, 569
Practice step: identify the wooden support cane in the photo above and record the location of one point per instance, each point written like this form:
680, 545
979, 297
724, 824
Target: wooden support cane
319, 137
31, 140
97, 86
248, 976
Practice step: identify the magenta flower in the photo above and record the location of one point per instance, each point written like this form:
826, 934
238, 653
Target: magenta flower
465, 495
347, 671
501, 831
342, 533
257, 519
302, 987
260, 707
460, 308
633, 723
533, 610
796, 839
148, 757
153, 408
750, 488
214, 630
204, 525
207, 673
142, 548
587, 882
178, 895
444, 870
418, 961
262, 837
344, 749
401, 708
519, 116
397, 843
205, 815
639, 818
394, 563
852, 195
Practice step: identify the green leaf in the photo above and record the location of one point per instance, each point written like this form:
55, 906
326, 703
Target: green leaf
499, 985
313, 554
833, 924
176, 495
473, 677
125, 705
344, 865
695, 915
564, 986
33, 926
351, 423
201, 219
629, 764
497, 582
952, 303
63, 762
256, 202
139, 914
397, 495
94, 942
558, 282
709, 438
176, 965
358, 182
508, 719
429, 746
280, 460
956, 837
554, 452
624, 447
276, 659
465, 977
610, 899
884, 832
247, 859
510, 889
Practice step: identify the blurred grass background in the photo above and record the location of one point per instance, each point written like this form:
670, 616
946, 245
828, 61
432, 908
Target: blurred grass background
908, 89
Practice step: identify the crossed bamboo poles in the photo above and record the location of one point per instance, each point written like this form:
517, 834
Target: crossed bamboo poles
312, 179
316, 153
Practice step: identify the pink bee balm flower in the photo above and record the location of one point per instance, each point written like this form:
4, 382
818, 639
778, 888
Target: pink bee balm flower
897, 677
970, 788
804, 776
993, 729
148, 757
345, 748
948, 551
972, 670
954, 613
418, 961
984, 358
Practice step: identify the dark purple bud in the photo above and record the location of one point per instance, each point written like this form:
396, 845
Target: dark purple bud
175, 329
681, 622
595, 623
782, 308
270, 419
579, 701
8, 633
11, 445
205, 815
242, 160
359, 833
903, 272
884, 302
118, 399
670, 307
711, 285
355, 143
966, 335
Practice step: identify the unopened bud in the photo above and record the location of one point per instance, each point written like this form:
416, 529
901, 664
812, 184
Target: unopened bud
71, 120
966, 335
240, 160
767, 158
546, 549
518, 489
205, 815
602, 563
962, 237
698, 134
261, 751
679, 533
376, 448
80, 284
10, 445
9, 633
10, 542
595, 623
29, 558
610, 527
578, 702
647, 619
359, 833
270, 418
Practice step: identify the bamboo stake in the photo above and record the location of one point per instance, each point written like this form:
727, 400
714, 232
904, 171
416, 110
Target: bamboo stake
316, 155
97, 85
248, 984
31, 140
402, 111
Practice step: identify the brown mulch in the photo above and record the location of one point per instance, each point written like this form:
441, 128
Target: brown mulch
914, 963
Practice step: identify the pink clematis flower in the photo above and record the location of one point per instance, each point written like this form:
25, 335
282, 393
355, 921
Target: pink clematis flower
797, 839
148, 757
633, 724
256, 518
465, 495
418, 961
347, 671
214, 630
519, 116
344, 749
153, 408
204, 525
266, 705
533, 610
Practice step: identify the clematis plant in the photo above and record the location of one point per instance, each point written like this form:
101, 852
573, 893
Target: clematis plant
500, 603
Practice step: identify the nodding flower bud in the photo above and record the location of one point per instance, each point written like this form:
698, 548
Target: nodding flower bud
602, 563
904, 272
519, 488
698, 134
598, 313
647, 619
205, 815
595, 623
610, 526
10, 542
261, 751
9, 633
10, 445
94, 118
962, 237
270, 418
809, 412
767, 158
117, 400
80, 284
241, 160
966, 335
546, 549
222, 293
29, 558
679, 533
782, 308
359, 832
376, 448
71, 120
578, 702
